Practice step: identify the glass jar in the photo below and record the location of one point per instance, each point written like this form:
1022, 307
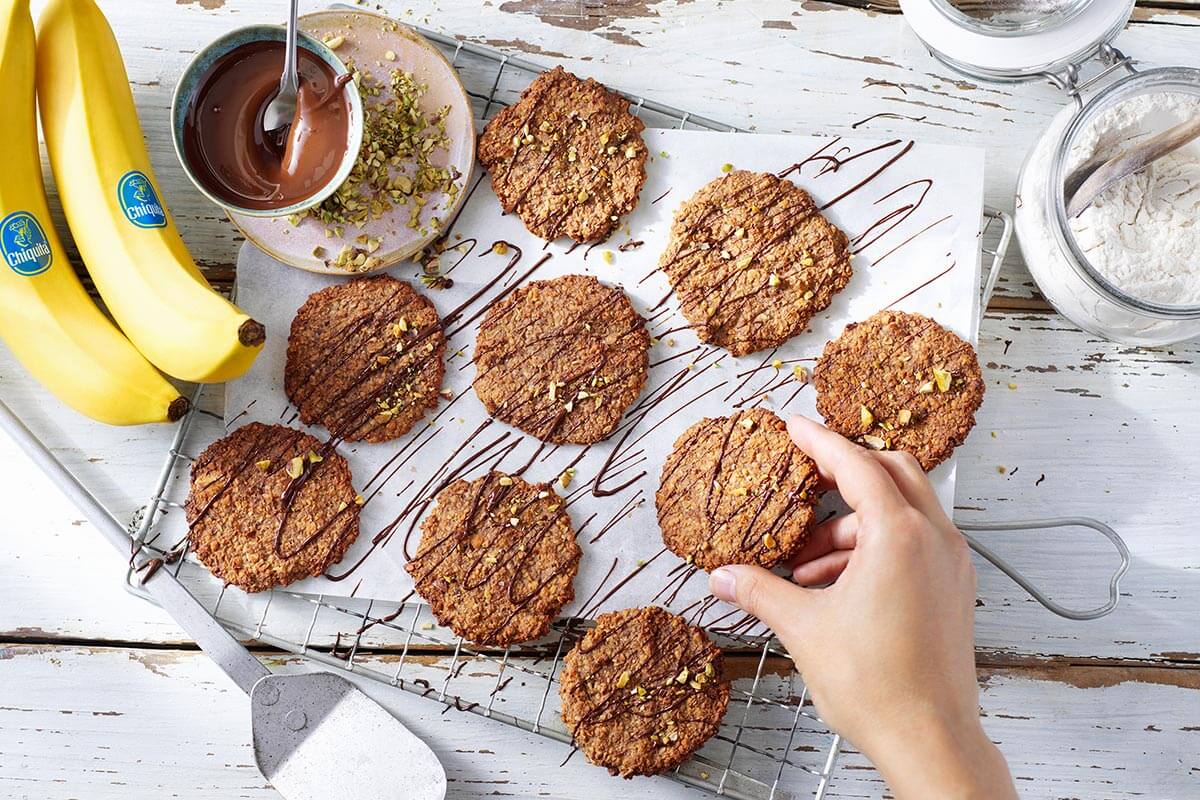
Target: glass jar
1001, 17
1053, 254
1055, 40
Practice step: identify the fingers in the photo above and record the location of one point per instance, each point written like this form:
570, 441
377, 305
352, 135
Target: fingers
820, 571
839, 533
861, 480
777, 602
911, 480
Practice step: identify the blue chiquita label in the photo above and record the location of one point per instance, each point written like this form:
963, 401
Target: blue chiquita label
24, 245
139, 201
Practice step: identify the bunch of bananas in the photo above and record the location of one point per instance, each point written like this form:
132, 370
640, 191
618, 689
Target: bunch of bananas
169, 318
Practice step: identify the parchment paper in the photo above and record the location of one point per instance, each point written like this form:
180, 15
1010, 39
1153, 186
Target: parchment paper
912, 212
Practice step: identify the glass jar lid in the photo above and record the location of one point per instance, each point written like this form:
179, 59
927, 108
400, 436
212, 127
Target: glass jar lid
1007, 40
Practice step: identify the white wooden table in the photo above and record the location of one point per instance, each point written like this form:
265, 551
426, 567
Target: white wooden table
100, 695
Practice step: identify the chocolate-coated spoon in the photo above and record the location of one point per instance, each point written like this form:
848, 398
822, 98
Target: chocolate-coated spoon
280, 112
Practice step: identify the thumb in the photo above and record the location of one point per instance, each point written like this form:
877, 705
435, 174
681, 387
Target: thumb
778, 602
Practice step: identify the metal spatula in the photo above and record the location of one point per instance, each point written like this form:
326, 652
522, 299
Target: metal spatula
311, 732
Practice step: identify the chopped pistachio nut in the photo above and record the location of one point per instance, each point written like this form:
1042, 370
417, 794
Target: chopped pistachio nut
747, 423
904, 417
800, 372
359, 500
727, 168
505, 480
874, 442
334, 42
263, 465
769, 541
390, 55
773, 280
609, 257
314, 458
514, 521
865, 416
777, 363
942, 378
565, 478
682, 676
398, 137
1012, 386
925, 388
623, 679
295, 467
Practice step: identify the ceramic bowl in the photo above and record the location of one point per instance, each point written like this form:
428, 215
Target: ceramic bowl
377, 45
193, 76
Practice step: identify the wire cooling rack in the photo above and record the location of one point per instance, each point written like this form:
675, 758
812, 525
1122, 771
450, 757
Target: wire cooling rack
771, 745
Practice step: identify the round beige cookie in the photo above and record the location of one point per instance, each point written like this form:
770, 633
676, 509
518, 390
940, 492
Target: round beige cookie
642, 691
900, 381
364, 359
562, 359
568, 157
751, 260
737, 490
269, 505
497, 559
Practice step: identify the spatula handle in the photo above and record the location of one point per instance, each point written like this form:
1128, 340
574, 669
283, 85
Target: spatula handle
218, 643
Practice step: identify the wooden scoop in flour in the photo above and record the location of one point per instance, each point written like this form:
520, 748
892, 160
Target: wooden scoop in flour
1091, 178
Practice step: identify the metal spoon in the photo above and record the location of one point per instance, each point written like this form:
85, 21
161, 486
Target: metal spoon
313, 734
1091, 178
280, 112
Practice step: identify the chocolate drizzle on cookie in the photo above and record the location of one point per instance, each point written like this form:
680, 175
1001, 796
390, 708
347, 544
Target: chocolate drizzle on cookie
568, 157
736, 490
497, 559
751, 260
642, 691
562, 359
364, 359
266, 508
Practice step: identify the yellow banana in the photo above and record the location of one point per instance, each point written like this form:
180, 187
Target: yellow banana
113, 206
46, 317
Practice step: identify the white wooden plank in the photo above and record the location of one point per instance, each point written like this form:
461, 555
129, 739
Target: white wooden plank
104, 724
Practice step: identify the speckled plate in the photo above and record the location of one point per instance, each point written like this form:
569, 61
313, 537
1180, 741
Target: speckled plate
369, 38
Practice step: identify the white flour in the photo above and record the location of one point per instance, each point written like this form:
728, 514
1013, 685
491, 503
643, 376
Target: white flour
1143, 234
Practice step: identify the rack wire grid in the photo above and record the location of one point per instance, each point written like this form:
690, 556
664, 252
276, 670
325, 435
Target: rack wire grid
772, 744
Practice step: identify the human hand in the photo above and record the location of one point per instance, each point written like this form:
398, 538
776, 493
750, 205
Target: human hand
887, 650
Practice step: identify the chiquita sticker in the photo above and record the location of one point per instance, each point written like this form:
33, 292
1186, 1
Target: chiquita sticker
24, 244
139, 201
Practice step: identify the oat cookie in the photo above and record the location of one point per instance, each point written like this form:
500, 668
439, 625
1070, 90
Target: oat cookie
737, 490
568, 157
497, 559
900, 381
752, 260
562, 359
269, 505
642, 691
364, 359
